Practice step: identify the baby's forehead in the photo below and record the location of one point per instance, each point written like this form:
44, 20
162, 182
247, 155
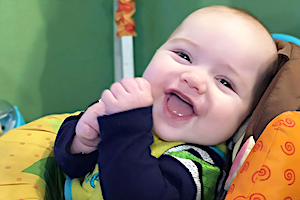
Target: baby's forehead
224, 13
213, 10
234, 17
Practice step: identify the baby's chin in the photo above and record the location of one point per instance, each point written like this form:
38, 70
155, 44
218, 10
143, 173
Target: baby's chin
165, 137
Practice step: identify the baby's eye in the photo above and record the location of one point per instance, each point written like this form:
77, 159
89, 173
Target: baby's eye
225, 83
183, 55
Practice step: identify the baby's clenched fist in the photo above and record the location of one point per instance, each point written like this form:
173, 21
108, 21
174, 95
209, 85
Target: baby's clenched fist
128, 94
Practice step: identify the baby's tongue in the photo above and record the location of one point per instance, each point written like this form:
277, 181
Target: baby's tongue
179, 107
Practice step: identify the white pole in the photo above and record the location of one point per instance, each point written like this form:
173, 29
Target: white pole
123, 53
127, 56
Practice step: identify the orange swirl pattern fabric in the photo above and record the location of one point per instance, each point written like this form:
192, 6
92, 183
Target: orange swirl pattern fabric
123, 17
272, 170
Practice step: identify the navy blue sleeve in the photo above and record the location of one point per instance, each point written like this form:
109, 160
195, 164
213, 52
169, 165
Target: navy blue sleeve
127, 170
74, 165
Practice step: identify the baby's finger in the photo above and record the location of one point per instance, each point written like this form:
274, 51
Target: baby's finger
87, 130
88, 122
130, 85
90, 143
118, 90
107, 97
143, 84
91, 114
98, 108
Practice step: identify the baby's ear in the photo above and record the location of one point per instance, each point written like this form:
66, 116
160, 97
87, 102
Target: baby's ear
283, 93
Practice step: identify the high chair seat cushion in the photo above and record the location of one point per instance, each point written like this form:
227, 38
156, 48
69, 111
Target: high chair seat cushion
283, 93
271, 171
27, 166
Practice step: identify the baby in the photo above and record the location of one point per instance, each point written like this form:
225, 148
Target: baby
198, 89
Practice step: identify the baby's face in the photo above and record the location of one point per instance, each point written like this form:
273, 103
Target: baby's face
204, 77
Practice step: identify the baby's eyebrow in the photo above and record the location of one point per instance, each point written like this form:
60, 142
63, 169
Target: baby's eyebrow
237, 74
233, 70
183, 40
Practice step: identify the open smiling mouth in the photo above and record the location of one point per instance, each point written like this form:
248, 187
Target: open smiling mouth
178, 107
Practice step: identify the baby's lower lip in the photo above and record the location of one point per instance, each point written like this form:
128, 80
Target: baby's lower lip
169, 113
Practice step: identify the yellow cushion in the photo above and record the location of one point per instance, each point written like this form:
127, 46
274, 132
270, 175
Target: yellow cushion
27, 166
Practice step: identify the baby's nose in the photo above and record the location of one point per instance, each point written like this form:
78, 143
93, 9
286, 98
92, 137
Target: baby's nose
195, 82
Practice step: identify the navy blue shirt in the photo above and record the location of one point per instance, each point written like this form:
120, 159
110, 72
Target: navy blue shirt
127, 170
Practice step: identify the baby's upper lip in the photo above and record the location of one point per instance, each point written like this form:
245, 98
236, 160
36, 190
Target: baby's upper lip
184, 97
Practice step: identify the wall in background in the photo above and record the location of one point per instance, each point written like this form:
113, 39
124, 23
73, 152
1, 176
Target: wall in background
57, 56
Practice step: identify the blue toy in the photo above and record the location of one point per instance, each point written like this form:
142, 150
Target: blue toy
10, 117
285, 37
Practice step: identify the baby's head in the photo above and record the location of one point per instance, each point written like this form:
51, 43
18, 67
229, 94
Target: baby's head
209, 74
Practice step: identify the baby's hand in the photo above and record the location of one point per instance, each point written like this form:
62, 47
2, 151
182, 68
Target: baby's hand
87, 131
128, 94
